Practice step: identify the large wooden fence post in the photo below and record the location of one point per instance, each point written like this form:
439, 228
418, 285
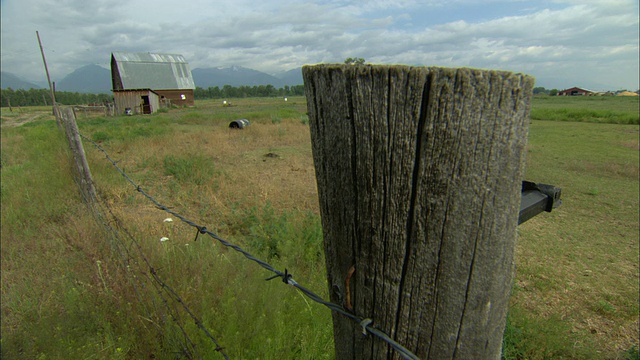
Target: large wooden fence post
419, 172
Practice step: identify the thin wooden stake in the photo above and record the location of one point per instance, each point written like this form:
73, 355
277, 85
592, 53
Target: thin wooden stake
53, 96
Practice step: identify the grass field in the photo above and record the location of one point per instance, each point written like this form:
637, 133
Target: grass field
66, 295
600, 109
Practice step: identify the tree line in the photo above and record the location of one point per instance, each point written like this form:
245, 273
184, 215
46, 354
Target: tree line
542, 91
229, 91
38, 97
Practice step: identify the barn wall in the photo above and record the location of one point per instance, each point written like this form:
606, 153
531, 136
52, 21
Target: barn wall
176, 98
574, 91
154, 99
133, 99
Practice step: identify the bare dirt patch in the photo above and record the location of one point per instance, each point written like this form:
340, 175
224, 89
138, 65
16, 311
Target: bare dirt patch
19, 117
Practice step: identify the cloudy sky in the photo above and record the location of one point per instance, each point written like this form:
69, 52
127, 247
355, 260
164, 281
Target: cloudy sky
563, 43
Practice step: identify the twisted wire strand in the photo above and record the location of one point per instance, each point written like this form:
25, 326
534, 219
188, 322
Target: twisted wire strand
127, 259
286, 277
118, 245
170, 291
188, 347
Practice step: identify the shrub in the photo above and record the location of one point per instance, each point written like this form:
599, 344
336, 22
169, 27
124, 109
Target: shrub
196, 169
99, 136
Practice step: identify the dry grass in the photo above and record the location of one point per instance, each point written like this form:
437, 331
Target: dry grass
260, 164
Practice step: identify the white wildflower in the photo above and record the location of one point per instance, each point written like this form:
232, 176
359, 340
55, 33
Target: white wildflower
163, 239
168, 220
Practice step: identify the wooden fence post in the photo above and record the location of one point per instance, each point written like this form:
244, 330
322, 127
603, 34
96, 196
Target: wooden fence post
75, 144
419, 172
52, 89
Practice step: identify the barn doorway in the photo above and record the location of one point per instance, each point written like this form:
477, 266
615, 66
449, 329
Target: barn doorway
146, 105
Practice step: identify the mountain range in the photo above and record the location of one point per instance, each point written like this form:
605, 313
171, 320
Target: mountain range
96, 79
8, 80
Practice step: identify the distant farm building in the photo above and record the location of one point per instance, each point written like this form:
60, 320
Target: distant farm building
627, 93
142, 82
575, 91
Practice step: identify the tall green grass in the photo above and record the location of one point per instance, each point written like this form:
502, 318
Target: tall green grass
126, 128
194, 169
251, 317
64, 295
52, 307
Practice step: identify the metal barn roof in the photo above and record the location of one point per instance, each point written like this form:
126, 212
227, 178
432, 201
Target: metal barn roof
153, 71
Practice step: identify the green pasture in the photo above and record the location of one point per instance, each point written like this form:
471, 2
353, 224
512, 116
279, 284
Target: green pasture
67, 293
600, 109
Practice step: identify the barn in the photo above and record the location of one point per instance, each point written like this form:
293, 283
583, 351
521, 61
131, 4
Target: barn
142, 82
575, 91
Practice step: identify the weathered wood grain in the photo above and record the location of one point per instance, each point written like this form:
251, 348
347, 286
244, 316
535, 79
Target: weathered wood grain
419, 172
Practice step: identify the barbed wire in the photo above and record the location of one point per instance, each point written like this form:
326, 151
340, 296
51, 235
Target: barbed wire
188, 346
128, 261
286, 277
164, 291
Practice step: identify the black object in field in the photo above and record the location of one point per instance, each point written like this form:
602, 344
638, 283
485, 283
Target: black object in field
239, 124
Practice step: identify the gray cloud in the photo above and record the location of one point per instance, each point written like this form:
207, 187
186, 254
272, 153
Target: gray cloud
563, 42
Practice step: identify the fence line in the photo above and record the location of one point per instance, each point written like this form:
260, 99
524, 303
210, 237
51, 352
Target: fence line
127, 258
287, 278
